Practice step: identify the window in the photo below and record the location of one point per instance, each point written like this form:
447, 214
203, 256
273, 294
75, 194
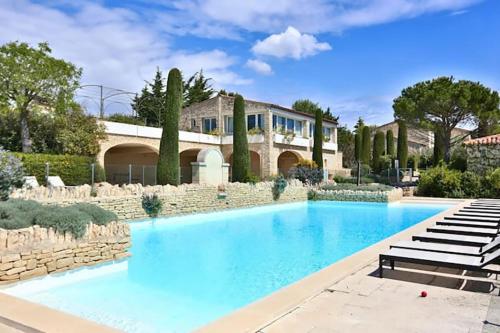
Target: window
228, 124
298, 127
290, 125
311, 130
327, 131
193, 123
209, 124
255, 121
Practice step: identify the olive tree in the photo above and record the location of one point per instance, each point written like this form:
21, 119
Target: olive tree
30, 76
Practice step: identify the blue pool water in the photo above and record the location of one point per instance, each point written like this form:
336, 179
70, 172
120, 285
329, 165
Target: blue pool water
187, 271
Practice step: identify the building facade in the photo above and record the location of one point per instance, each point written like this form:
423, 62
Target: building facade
278, 138
420, 140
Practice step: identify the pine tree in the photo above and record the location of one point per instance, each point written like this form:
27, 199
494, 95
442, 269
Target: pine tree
378, 150
317, 155
366, 146
168, 161
402, 144
439, 148
358, 128
389, 150
241, 156
197, 89
150, 103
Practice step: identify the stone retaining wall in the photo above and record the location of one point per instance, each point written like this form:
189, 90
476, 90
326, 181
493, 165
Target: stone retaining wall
36, 251
350, 195
483, 157
125, 200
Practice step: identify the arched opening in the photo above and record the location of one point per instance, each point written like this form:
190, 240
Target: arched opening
185, 159
286, 160
254, 163
131, 163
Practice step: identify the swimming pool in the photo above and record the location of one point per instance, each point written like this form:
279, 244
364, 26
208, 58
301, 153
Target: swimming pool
187, 271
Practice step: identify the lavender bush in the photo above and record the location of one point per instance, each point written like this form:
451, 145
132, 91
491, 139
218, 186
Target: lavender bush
11, 173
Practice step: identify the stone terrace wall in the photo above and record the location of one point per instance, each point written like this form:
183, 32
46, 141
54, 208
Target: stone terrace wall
481, 158
350, 195
36, 251
125, 200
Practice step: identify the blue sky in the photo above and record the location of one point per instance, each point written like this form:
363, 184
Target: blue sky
353, 56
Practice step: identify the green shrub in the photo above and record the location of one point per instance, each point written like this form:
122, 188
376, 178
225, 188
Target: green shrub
440, 182
73, 170
471, 184
124, 119
279, 187
389, 149
366, 146
458, 160
63, 219
151, 204
16, 214
317, 155
491, 184
354, 187
11, 173
378, 151
99, 215
251, 178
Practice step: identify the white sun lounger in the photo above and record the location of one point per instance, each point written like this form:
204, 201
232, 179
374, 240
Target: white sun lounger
469, 231
437, 237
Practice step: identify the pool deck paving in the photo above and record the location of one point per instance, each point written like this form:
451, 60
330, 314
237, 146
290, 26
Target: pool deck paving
363, 302
347, 296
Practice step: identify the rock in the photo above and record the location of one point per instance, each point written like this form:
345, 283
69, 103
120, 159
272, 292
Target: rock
10, 257
33, 272
64, 262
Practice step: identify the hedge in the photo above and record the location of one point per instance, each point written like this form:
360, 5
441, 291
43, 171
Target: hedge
73, 170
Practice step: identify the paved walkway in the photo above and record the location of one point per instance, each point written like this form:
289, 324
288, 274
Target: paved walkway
362, 302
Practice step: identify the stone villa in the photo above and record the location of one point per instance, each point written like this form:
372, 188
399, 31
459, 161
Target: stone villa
278, 137
420, 140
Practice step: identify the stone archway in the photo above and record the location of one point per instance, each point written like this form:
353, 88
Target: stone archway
131, 162
255, 163
187, 157
286, 160
210, 168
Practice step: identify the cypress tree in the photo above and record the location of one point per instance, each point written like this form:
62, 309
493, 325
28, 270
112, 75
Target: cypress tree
366, 146
241, 156
358, 141
168, 161
378, 150
389, 150
317, 155
402, 145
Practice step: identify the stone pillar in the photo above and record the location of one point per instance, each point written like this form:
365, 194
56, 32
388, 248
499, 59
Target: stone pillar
268, 167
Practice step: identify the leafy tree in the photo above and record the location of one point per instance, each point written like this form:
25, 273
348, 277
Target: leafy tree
366, 146
345, 139
378, 150
150, 103
222, 92
197, 89
317, 154
168, 161
402, 144
30, 76
78, 133
443, 103
308, 106
241, 156
389, 150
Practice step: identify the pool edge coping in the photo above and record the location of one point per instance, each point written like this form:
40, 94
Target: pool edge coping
264, 311
252, 317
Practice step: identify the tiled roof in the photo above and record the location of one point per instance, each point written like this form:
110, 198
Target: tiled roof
485, 140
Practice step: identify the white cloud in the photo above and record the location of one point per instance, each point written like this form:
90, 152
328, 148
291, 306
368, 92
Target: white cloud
114, 46
259, 66
290, 43
226, 18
